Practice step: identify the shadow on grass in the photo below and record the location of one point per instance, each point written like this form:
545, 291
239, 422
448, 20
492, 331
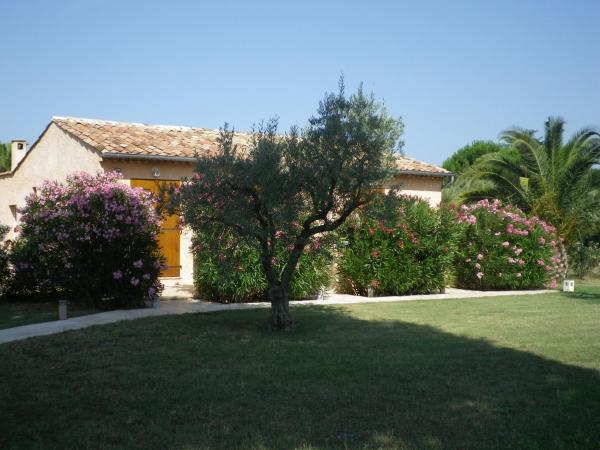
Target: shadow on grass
223, 381
585, 292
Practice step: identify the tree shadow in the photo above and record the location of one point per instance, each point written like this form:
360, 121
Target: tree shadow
585, 293
222, 380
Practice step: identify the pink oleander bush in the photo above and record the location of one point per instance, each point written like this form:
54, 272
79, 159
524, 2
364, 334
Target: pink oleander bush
90, 239
397, 245
4, 267
502, 248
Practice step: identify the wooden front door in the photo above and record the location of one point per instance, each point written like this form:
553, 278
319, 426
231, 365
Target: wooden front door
170, 235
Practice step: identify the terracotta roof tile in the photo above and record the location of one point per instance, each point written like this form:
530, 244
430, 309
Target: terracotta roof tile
174, 141
407, 165
140, 139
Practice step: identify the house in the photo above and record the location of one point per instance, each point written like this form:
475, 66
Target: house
146, 156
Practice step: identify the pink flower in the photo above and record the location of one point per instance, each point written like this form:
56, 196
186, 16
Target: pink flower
519, 275
479, 275
117, 275
505, 244
138, 264
542, 241
541, 262
479, 257
134, 281
146, 276
478, 266
151, 291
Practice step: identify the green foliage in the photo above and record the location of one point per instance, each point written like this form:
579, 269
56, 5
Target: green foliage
397, 245
90, 239
464, 163
466, 156
553, 179
298, 186
228, 269
4, 267
5, 157
500, 248
584, 258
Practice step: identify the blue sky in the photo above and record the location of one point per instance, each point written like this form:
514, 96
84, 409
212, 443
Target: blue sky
454, 70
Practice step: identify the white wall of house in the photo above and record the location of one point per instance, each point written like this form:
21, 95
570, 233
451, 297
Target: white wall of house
424, 186
54, 156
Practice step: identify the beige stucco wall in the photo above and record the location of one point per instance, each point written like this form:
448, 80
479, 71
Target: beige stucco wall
53, 157
427, 187
141, 169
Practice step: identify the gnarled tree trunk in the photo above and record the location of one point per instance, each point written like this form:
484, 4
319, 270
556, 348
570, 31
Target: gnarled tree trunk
280, 307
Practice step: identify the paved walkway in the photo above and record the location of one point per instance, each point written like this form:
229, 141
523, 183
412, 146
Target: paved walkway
181, 302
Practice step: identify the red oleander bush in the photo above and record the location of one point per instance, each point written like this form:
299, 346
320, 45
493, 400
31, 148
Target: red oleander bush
397, 245
227, 269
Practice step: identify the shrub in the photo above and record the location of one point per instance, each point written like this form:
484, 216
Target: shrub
501, 248
228, 268
92, 239
584, 258
398, 245
4, 268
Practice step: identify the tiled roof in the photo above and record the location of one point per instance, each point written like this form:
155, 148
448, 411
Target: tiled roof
131, 139
144, 140
407, 165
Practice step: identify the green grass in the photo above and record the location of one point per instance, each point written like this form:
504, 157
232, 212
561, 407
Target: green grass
520, 372
15, 314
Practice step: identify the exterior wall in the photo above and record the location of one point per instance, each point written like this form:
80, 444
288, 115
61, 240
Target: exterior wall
53, 157
140, 169
427, 187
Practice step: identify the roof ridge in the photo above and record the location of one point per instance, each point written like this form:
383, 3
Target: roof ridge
134, 124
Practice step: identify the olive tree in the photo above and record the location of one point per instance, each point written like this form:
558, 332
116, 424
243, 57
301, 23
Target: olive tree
287, 189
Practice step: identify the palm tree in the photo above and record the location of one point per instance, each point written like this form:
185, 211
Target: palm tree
555, 180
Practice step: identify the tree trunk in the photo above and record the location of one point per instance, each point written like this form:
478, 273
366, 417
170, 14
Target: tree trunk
280, 308
564, 259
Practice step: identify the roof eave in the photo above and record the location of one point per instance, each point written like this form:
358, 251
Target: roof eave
423, 173
116, 155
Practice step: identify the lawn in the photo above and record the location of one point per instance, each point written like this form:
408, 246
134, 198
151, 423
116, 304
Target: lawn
520, 372
15, 314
